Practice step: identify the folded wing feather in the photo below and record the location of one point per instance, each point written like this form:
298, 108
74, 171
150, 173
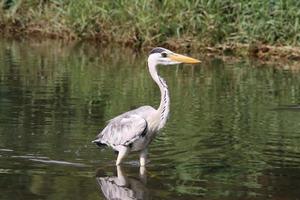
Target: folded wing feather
123, 130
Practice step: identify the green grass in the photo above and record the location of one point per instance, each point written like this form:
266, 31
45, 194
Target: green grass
150, 22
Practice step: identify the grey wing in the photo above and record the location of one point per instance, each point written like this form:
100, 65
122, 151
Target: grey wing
123, 130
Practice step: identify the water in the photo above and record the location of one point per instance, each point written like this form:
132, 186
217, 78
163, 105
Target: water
233, 133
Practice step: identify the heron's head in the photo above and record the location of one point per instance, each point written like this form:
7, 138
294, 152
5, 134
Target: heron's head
164, 56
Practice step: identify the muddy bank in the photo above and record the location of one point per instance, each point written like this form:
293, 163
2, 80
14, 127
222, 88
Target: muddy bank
287, 57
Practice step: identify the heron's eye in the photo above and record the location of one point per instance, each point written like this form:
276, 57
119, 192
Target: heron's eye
164, 54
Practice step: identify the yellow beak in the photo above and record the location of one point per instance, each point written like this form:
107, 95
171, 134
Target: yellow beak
183, 59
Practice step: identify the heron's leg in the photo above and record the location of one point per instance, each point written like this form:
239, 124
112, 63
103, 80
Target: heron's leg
143, 157
123, 151
143, 174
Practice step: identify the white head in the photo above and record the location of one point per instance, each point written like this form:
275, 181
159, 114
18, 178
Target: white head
164, 56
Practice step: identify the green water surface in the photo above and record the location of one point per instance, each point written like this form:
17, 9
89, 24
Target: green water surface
233, 131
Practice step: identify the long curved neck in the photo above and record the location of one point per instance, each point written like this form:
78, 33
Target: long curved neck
164, 106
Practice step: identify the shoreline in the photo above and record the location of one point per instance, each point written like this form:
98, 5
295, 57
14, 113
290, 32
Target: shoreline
267, 31
285, 56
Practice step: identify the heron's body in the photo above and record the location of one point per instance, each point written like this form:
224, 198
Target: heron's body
135, 129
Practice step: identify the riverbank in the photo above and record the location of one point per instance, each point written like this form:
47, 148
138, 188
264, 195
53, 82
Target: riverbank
265, 30
260, 51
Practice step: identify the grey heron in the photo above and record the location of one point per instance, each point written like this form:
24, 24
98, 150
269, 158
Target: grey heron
134, 130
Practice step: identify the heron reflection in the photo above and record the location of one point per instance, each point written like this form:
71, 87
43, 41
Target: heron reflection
123, 187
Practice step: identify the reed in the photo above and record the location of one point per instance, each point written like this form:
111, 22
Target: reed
148, 22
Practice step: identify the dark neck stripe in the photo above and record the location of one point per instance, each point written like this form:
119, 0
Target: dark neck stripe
162, 82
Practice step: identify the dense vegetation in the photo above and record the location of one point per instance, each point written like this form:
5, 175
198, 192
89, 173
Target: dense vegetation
148, 22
